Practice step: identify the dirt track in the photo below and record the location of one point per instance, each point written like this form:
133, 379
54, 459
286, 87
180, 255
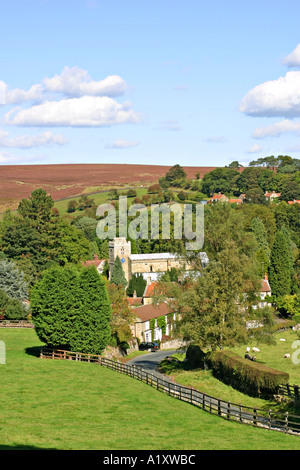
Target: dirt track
61, 181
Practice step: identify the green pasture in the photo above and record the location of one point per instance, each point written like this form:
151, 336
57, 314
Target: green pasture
47, 404
270, 355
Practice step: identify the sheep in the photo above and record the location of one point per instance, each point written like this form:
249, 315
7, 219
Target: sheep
286, 356
251, 358
248, 349
255, 350
281, 339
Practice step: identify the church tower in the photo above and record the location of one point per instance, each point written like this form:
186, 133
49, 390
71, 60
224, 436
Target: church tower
122, 248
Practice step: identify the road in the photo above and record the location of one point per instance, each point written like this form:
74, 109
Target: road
151, 361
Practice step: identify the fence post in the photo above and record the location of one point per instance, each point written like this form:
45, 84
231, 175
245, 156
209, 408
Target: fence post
228, 410
254, 416
270, 419
286, 426
219, 407
296, 391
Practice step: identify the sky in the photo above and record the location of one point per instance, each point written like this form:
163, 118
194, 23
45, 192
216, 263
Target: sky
193, 82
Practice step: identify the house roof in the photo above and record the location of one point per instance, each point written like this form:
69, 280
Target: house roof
135, 301
218, 196
147, 312
265, 286
99, 263
237, 201
295, 201
272, 194
150, 289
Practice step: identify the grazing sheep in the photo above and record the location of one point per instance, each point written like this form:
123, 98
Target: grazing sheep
248, 349
255, 350
251, 358
281, 339
286, 356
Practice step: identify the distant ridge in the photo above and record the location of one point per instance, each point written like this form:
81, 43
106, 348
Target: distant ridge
66, 180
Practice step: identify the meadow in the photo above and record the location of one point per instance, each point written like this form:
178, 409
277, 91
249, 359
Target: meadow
64, 405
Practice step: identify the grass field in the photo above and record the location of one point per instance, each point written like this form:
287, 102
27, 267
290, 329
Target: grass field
270, 355
47, 404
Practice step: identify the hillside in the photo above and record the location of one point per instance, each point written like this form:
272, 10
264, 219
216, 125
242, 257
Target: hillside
61, 181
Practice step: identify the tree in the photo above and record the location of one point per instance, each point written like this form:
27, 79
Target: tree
11, 308
263, 251
91, 328
280, 267
117, 275
215, 308
72, 205
174, 173
136, 283
219, 180
71, 309
290, 191
37, 208
54, 303
12, 280
122, 314
216, 305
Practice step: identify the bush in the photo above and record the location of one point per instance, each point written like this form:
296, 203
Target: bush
252, 378
195, 357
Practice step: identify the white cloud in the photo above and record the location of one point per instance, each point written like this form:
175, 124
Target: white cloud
275, 130
8, 159
74, 81
29, 141
35, 93
255, 149
279, 97
293, 59
86, 111
71, 82
122, 144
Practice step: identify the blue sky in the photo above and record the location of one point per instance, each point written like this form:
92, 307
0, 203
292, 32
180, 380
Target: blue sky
163, 82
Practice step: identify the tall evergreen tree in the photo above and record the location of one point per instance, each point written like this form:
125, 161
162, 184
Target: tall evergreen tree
136, 283
263, 251
280, 265
71, 309
117, 276
91, 329
54, 304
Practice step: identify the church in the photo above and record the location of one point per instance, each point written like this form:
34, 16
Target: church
149, 265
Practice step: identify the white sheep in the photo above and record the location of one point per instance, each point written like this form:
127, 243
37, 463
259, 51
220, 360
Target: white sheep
287, 356
248, 349
281, 339
255, 350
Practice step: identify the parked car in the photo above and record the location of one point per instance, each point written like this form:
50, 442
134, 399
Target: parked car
152, 346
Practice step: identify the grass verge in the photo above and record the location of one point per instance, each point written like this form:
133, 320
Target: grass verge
48, 404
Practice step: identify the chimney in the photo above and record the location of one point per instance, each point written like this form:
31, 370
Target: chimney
266, 277
134, 294
95, 257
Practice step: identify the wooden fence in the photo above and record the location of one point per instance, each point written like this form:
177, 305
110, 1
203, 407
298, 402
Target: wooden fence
284, 422
288, 390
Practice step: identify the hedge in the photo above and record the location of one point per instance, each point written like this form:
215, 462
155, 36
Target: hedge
249, 377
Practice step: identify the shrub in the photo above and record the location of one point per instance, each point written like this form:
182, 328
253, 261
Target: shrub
252, 378
195, 357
